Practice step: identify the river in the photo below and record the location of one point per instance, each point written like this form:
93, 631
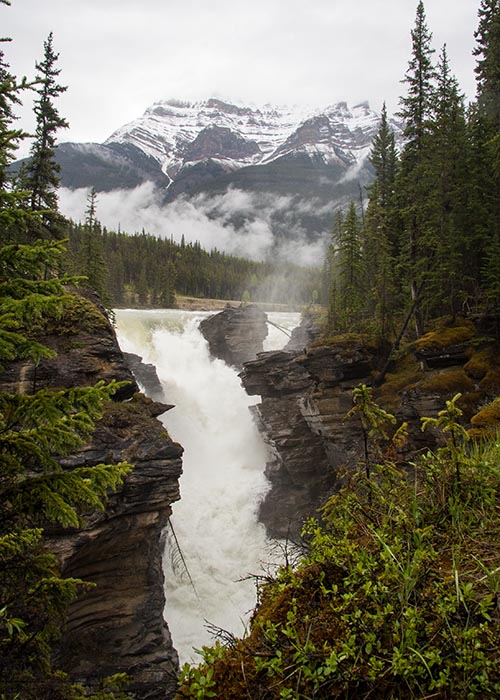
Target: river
215, 522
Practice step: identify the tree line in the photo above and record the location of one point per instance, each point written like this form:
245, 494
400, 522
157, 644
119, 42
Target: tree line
145, 270
428, 243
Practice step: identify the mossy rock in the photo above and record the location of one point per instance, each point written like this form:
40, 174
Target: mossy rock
404, 376
446, 334
487, 421
345, 341
76, 315
447, 382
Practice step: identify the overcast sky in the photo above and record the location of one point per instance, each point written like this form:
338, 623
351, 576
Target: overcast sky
119, 56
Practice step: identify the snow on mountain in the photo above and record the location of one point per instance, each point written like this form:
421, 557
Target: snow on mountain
179, 134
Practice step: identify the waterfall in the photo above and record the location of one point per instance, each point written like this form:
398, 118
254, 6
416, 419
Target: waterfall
215, 522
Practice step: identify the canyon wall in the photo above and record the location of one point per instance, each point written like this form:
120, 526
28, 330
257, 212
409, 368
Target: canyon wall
306, 393
117, 625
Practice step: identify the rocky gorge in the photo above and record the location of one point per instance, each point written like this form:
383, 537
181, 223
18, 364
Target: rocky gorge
117, 625
306, 393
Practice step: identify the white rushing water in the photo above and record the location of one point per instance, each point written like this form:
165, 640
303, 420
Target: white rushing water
223, 481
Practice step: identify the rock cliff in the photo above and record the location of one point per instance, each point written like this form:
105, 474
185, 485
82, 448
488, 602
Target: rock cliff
235, 335
305, 396
118, 625
307, 392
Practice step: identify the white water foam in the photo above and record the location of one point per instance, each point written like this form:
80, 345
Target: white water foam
223, 481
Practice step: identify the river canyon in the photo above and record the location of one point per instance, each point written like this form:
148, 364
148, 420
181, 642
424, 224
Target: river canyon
215, 542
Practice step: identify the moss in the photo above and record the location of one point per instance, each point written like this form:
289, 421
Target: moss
345, 341
77, 315
446, 334
447, 382
490, 384
480, 362
488, 417
404, 376
134, 416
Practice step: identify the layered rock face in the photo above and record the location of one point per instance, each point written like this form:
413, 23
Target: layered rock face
118, 625
307, 392
305, 396
146, 375
235, 335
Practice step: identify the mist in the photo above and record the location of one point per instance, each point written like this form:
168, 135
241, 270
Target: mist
252, 225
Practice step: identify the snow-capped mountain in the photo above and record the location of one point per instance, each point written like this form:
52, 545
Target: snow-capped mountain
316, 158
178, 134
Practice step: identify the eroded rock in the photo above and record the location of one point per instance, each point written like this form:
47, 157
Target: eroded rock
236, 335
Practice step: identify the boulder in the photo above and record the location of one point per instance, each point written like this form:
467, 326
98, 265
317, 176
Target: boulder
235, 335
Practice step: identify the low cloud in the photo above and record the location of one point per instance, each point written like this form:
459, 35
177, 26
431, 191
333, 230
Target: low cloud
252, 225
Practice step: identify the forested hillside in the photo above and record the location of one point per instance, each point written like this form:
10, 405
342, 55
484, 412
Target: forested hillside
394, 592
144, 270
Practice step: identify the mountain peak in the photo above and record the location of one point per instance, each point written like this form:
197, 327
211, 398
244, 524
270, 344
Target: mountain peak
169, 131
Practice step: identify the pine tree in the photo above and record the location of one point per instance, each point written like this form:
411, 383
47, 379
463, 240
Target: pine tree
486, 143
381, 231
487, 67
348, 271
414, 181
92, 260
13, 217
41, 175
447, 233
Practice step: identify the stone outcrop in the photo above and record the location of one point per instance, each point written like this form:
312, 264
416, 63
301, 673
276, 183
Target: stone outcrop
117, 625
235, 335
305, 396
307, 392
146, 376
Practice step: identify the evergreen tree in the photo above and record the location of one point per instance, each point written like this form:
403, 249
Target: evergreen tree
346, 294
487, 139
487, 67
92, 260
41, 175
381, 232
35, 431
414, 181
13, 217
447, 232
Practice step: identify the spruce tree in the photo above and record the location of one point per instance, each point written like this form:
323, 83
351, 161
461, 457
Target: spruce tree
415, 180
92, 259
448, 283
41, 176
348, 270
487, 141
487, 67
381, 231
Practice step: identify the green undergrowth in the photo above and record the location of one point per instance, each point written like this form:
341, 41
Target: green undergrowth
396, 597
